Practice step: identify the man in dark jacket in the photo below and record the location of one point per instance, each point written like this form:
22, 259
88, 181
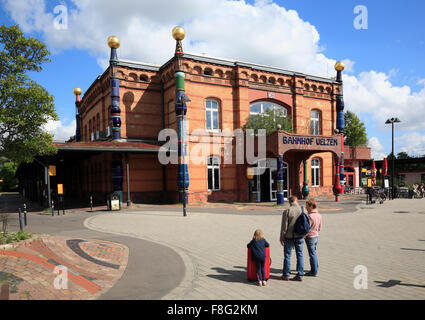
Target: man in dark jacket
289, 239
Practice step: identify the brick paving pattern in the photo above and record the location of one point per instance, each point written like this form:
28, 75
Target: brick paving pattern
29, 267
388, 239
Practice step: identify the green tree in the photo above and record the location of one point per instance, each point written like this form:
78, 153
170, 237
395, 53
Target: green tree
355, 130
403, 155
25, 106
7, 175
269, 120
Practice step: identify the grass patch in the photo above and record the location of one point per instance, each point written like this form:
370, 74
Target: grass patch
14, 237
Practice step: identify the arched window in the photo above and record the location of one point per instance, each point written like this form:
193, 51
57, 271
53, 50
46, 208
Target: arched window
208, 72
315, 172
211, 114
213, 168
262, 106
98, 122
314, 122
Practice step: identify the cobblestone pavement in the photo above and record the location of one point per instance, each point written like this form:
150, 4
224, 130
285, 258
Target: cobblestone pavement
31, 267
387, 239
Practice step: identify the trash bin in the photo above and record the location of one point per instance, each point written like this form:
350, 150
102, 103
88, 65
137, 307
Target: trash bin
113, 202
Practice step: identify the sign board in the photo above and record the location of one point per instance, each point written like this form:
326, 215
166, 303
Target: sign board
52, 171
369, 183
115, 204
386, 183
280, 142
60, 188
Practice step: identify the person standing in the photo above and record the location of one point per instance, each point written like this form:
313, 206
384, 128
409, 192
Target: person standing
258, 253
289, 239
312, 237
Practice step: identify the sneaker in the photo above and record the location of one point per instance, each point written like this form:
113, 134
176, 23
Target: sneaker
311, 274
285, 278
297, 278
264, 283
260, 283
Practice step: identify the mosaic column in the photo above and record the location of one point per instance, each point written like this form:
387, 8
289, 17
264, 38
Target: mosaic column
181, 109
279, 194
77, 92
115, 111
305, 191
115, 117
340, 125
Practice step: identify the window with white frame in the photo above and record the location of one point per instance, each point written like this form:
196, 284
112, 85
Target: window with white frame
211, 114
213, 168
315, 172
315, 122
262, 106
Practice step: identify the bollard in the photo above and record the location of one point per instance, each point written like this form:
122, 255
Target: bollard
91, 203
53, 207
25, 214
20, 220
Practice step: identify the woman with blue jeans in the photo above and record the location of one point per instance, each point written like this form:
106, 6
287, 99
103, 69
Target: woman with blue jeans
312, 237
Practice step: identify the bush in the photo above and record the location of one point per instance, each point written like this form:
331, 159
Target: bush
14, 236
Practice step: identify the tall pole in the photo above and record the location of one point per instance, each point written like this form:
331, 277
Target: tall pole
77, 92
181, 109
392, 171
115, 111
340, 125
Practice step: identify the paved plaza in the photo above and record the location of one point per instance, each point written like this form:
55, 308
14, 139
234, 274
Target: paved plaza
387, 239
203, 255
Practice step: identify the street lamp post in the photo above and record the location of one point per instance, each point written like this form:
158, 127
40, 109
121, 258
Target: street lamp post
392, 121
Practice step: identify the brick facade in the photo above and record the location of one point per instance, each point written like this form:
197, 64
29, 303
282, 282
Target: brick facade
147, 106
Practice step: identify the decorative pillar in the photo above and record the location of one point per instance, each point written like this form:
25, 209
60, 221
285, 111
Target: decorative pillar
280, 199
305, 190
340, 125
181, 109
115, 111
77, 92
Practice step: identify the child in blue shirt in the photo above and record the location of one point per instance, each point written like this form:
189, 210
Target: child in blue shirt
258, 253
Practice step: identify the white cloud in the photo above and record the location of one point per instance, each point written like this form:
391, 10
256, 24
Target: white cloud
413, 143
59, 130
376, 149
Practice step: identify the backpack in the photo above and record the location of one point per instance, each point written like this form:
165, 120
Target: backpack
302, 224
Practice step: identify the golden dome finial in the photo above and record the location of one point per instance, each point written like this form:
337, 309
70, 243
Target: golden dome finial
339, 66
178, 33
77, 91
113, 42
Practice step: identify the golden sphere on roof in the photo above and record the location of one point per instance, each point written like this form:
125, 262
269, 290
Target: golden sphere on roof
113, 42
178, 33
339, 66
77, 91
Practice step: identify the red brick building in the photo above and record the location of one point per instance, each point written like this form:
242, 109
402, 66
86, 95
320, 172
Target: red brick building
223, 94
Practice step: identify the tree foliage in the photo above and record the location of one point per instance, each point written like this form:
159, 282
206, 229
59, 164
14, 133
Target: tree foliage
269, 120
403, 155
7, 175
25, 106
355, 130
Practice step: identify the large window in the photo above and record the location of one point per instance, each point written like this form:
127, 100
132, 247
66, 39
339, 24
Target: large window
213, 167
315, 122
211, 114
262, 106
315, 172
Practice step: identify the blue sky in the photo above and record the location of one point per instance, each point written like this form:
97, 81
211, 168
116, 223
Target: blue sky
390, 53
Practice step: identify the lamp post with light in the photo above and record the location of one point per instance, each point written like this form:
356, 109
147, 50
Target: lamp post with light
77, 91
392, 121
181, 110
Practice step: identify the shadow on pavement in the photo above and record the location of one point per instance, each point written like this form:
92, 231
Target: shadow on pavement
392, 283
411, 249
